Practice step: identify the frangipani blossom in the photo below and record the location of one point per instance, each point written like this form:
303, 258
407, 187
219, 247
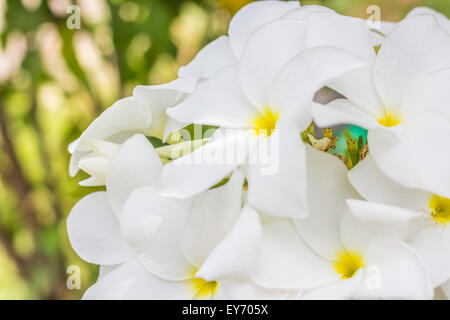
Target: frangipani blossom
267, 95
203, 253
255, 212
331, 255
428, 214
212, 249
144, 112
404, 106
175, 246
285, 260
94, 222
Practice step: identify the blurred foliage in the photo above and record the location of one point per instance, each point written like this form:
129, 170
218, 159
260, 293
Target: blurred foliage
54, 81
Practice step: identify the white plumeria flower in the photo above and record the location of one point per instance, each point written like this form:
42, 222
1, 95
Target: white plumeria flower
212, 249
165, 247
227, 50
269, 92
144, 112
428, 214
94, 223
403, 104
333, 256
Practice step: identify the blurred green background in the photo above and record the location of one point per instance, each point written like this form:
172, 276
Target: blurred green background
54, 81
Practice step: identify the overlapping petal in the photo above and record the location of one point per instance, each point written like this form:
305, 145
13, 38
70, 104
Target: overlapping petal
400, 59
94, 231
287, 262
152, 224
251, 17
135, 164
211, 217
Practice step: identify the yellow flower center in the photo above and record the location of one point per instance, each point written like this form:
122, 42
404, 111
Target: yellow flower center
348, 263
265, 121
202, 289
389, 119
440, 207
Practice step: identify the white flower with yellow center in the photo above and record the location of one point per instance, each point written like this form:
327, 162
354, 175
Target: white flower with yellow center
403, 102
270, 91
145, 111
331, 255
166, 248
428, 214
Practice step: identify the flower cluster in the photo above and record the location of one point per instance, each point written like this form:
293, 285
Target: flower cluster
218, 186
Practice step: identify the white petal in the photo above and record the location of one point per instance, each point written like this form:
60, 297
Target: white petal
103, 270
401, 160
352, 35
429, 93
358, 87
92, 182
375, 186
341, 111
153, 223
75, 158
156, 99
211, 217
171, 126
399, 269
125, 116
442, 19
131, 281
296, 83
433, 244
328, 188
265, 53
214, 56
303, 12
335, 30
236, 255
400, 59
102, 147
276, 183
95, 166
342, 289
286, 262
94, 231
134, 165
73, 146
380, 212
253, 16
362, 225
206, 166
217, 101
